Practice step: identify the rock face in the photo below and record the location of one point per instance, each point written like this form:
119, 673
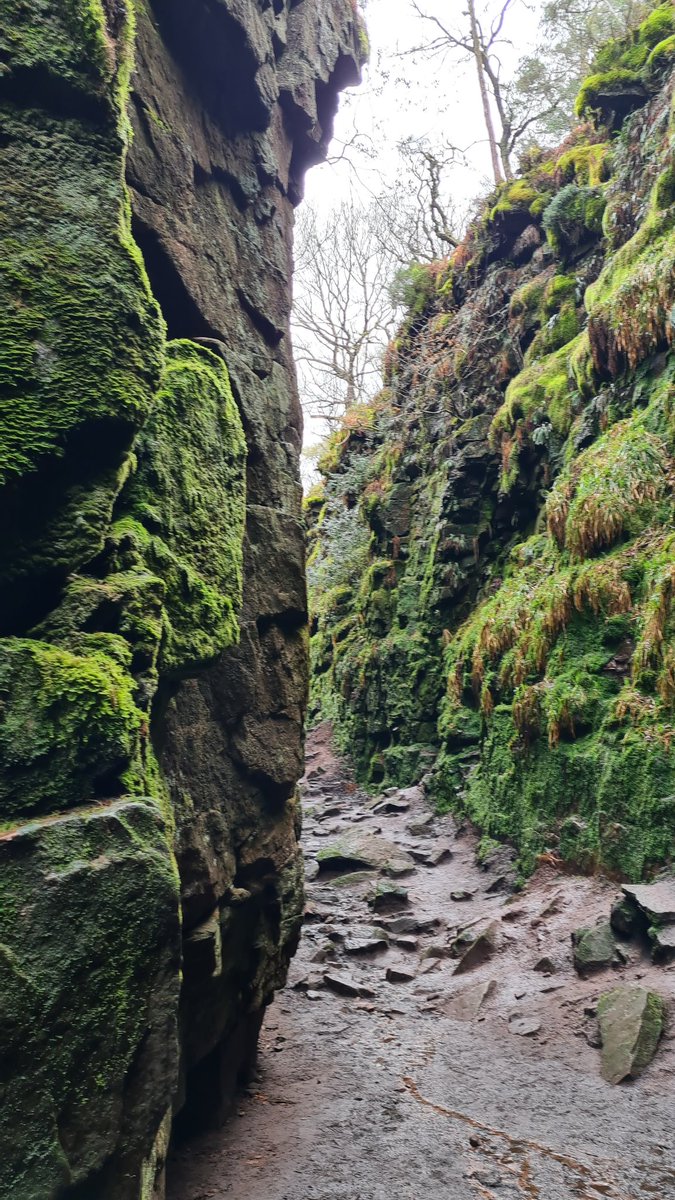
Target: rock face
499, 594
152, 608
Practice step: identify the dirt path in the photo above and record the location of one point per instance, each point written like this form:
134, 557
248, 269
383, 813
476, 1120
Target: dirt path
431, 1084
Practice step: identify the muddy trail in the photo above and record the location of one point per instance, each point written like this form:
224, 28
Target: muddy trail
388, 1067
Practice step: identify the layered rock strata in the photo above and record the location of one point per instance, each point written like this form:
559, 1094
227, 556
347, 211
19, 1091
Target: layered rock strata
152, 609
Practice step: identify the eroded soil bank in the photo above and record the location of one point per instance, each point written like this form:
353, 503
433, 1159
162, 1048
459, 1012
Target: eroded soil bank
426, 1082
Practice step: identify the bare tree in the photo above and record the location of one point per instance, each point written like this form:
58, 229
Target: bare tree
420, 222
343, 316
479, 54
478, 37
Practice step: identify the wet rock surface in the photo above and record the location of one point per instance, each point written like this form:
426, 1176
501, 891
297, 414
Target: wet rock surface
386, 1070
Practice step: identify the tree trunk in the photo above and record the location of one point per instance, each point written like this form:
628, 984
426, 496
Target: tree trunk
487, 115
506, 161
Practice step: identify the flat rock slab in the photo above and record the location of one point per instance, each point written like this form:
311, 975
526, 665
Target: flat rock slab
346, 985
657, 900
410, 924
406, 943
366, 941
358, 850
422, 826
438, 853
631, 1024
391, 805
352, 879
466, 1005
399, 975
523, 1025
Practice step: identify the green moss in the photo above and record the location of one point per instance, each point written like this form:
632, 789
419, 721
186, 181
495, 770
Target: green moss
662, 55
191, 460
606, 83
520, 194
69, 726
657, 25
68, 41
630, 305
527, 299
664, 188
414, 288
541, 395
68, 265
601, 799
556, 649
586, 165
561, 288
624, 63
614, 488
573, 753
132, 604
573, 218
560, 329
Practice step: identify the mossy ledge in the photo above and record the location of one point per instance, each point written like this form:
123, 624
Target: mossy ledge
491, 549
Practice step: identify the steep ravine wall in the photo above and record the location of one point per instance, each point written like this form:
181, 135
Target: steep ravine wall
492, 557
152, 609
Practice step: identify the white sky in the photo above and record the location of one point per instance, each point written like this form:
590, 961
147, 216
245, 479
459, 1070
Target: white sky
403, 96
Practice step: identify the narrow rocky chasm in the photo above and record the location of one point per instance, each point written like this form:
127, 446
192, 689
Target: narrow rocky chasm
399, 1061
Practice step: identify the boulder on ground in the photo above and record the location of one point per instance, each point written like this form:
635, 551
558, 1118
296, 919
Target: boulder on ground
626, 918
399, 975
479, 951
366, 940
388, 897
631, 1024
650, 907
346, 985
595, 949
663, 942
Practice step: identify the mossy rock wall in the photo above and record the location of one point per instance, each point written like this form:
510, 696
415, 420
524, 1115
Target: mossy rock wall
153, 667
512, 623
